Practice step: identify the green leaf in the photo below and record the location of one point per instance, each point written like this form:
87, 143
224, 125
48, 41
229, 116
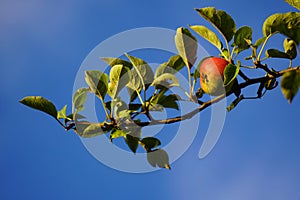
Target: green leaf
174, 64
142, 74
119, 77
290, 48
93, 129
290, 83
116, 61
186, 45
41, 104
207, 34
166, 101
79, 99
132, 142
158, 157
242, 38
62, 113
259, 42
235, 103
294, 3
222, 21
121, 109
230, 73
287, 24
116, 133
150, 143
274, 53
164, 78
98, 82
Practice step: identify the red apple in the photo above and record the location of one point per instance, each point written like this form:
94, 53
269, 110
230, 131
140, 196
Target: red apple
211, 71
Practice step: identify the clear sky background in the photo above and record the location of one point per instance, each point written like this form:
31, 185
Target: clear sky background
43, 43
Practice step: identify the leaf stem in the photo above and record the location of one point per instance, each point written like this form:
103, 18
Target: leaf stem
263, 46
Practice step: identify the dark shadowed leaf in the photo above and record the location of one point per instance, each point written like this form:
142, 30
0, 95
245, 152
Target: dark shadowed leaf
294, 3
117, 61
79, 99
132, 142
274, 53
242, 38
290, 83
208, 35
186, 45
97, 81
219, 19
41, 104
230, 73
285, 23
158, 157
174, 64
150, 143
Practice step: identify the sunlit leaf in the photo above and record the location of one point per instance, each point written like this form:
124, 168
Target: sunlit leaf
93, 129
186, 45
117, 61
290, 83
164, 101
174, 64
119, 77
97, 81
285, 23
290, 48
259, 42
120, 109
219, 19
208, 35
164, 79
242, 38
116, 133
62, 113
294, 3
230, 73
41, 104
141, 75
79, 99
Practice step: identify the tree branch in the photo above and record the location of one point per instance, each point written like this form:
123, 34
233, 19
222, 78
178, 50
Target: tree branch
218, 98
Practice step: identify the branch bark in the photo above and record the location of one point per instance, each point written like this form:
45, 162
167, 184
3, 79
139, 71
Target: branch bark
242, 85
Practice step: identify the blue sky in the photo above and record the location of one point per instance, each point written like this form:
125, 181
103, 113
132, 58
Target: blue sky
43, 44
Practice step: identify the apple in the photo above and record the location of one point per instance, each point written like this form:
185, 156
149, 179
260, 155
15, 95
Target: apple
211, 70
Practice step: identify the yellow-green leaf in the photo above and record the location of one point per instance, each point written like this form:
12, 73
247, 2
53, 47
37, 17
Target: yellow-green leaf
222, 21
186, 45
41, 104
285, 23
207, 34
97, 81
